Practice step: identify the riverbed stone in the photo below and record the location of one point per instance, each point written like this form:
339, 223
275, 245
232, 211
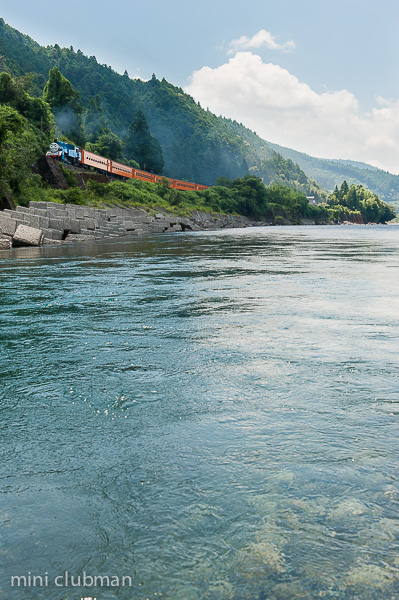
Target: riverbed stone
5, 242
27, 236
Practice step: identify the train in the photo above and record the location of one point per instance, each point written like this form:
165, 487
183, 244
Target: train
73, 155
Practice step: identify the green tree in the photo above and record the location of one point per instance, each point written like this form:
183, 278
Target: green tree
66, 106
350, 203
109, 145
19, 148
10, 122
142, 147
94, 121
35, 110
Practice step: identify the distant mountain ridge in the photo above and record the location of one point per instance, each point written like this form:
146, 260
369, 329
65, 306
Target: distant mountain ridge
330, 173
353, 163
197, 145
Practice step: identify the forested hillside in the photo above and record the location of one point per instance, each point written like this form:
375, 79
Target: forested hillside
190, 142
196, 144
329, 173
27, 124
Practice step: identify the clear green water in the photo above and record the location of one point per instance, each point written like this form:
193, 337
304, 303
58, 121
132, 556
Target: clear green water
212, 414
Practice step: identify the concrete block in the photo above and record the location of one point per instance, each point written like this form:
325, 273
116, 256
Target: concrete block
129, 225
154, 228
79, 211
137, 212
55, 213
43, 222
162, 223
50, 241
7, 224
174, 228
89, 212
20, 209
27, 236
75, 226
66, 223
90, 224
56, 224
33, 220
38, 204
53, 234
40, 212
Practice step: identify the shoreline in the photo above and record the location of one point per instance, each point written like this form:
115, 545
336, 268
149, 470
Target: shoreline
50, 223
53, 224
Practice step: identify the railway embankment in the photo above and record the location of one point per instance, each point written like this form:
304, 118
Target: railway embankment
52, 223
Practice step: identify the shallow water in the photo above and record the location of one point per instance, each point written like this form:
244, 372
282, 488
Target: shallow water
214, 415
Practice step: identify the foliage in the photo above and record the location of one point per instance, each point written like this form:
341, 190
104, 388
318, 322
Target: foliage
64, 100
25, 129
347, 202
196, 144
246, 196
58, 91
142, 147
10, 122
19, 147
107, 144
69, 177
329, 173
35, 110
94, 121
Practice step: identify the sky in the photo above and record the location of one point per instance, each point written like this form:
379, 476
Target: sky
318, 76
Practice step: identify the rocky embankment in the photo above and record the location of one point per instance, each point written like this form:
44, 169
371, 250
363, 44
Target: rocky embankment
52, 223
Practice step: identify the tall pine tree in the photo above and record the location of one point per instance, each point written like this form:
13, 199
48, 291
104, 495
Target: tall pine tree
66, 106
142, 147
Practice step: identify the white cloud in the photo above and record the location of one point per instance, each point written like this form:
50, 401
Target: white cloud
281, 109
262, 38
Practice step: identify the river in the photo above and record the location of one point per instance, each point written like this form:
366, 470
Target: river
213, 415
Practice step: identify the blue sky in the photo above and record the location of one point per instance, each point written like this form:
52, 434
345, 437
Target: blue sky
315, 75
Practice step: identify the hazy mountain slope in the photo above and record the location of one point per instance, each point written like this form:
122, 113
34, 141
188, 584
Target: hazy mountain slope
329, 173
196, 144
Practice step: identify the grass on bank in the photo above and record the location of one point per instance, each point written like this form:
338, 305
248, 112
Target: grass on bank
245, 196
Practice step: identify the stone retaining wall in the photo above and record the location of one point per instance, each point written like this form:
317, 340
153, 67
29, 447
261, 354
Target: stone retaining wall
52, 223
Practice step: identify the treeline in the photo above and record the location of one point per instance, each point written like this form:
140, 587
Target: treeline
329, 173
346, 203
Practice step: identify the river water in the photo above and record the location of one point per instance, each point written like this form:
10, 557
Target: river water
214, 415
